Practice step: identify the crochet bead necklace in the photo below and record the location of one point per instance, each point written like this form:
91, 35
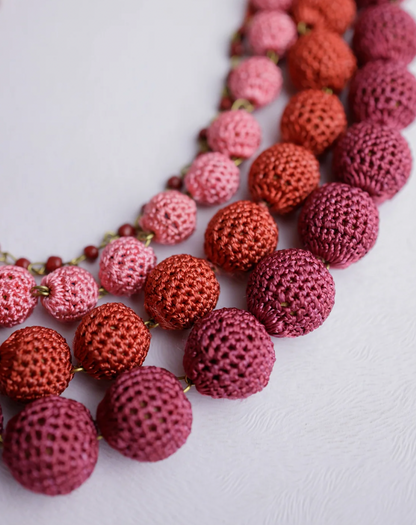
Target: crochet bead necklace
51, 446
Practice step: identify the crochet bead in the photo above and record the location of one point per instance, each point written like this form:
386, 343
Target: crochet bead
72, 293
283, 176
320, 60
313, 119
235, 134
229, 355
271, 31
239, 236
16, 299
52, 264
336, 16
257, 80
374, 158
279, 5
384, 93
110, 340
51, 447
124, 266
291, 293
145, 415
34, 362
339, 224
171, 216
213, 178
179, 291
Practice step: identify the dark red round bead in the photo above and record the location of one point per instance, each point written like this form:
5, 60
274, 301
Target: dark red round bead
53, 263
236, 49
91, 253
226, 104
175, 183
203, 134
23, 263
127, 230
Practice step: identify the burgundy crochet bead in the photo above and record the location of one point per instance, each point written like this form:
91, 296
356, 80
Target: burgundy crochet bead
339, 224
51, 447
16, 299
334, 15
23, 263
53, 263
279, 5
145, 415
271, 31
374, 158
229, 355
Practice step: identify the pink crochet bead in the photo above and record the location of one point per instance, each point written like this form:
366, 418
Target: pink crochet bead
339, 224
374, 158
51, 447
73, 292
257, 80
16, 300
145, 415
235, 133
279, 5
229, 355
124, 266
384, 93
272, 31
171, 216
291, 293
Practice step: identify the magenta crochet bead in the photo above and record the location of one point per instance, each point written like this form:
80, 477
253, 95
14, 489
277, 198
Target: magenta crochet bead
279, 5
213, 178
271, 31
124, 266
229, 355
73, 292
171, 216
339, 224
257, 80
145, 415
384, 93
374, 158
51, 447
235, 134
16, 300
291, 293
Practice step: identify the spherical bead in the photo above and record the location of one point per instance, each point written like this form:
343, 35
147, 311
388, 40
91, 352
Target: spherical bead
313, 119
283, 176
374, 158
53, 263
124, 266
171, 216
320, 60
339, 224
179, 291
239, 236
91, 253
127, 230
145, 415
35, 362
175, 183
271, 31
335, 16
110, 340
291, 293
213, 178
257, 80
22, 263
279, 5
16, 299
384, 93
235, 134
72, 293
51, 447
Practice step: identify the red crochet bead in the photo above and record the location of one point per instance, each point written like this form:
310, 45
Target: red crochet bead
145, 415
313, 119
271, 31
336, 16
16, 299
51, 447
339, 224
291, 293
127, 230
374, 158
279, 5
179, 291
34, 362
91, 253
52, 264
283, 176
239, 236
110, 340
22, 263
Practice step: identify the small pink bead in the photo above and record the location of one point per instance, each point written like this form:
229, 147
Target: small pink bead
279, 5
272, 31
16, 300
73, 292
124, 266
171, 216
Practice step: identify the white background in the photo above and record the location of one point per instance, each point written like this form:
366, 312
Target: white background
100, 101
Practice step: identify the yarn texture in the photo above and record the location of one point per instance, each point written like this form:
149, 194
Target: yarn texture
336, 16
16, 299
279, 5
271, 31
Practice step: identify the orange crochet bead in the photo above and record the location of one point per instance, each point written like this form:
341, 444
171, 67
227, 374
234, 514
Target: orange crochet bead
333, 15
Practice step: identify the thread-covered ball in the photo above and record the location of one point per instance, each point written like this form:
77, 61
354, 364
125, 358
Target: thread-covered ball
336, 16
279, 5
271, 30
170, 216
283, 176
339, 223
213, 178
51, 447
375, 158
17, 301
145, 414
313, 119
